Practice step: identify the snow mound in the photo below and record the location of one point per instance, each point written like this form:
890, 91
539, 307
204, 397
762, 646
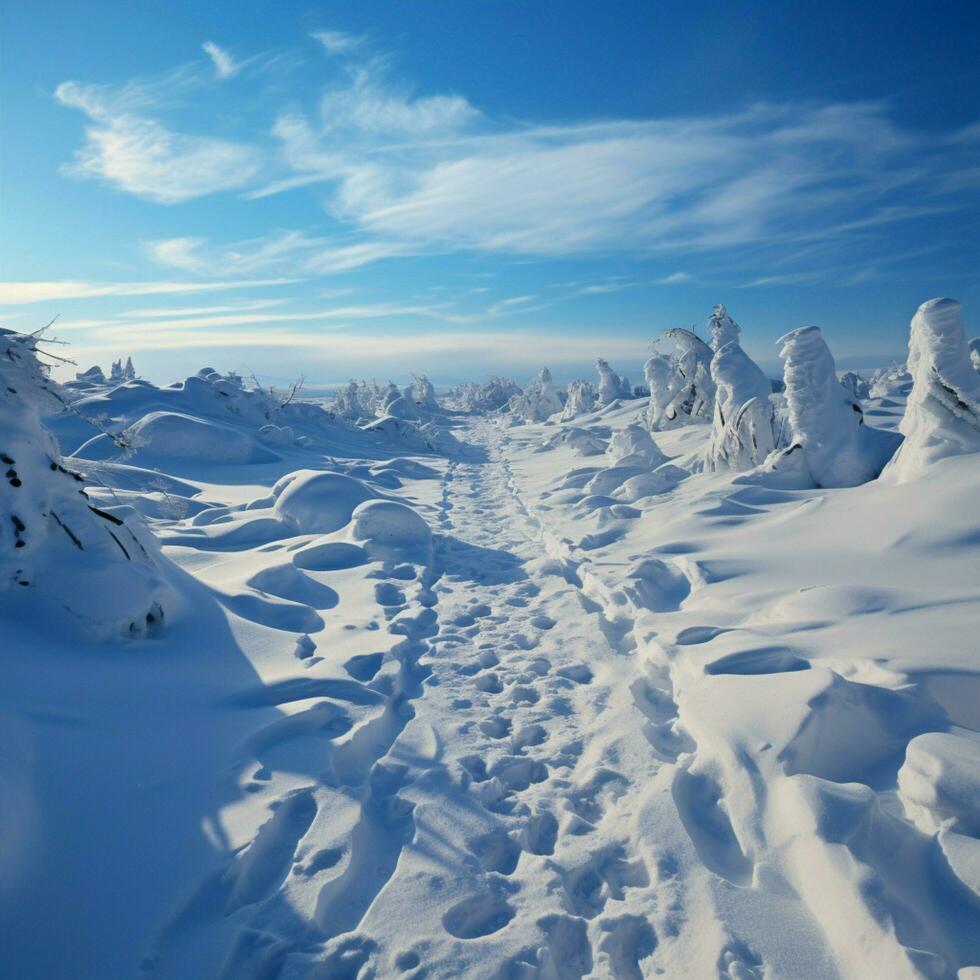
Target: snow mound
56, 546
742, 433
939, 783
317, 502
942, 415
179, 436
634, 446
831, 445
391, 531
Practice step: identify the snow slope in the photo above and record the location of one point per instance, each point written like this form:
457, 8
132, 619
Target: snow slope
557, 702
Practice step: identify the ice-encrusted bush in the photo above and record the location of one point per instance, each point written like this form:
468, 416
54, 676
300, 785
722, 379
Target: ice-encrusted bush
539, 400
742, 433
722, 329
54, 542
581, 399
422, 392
611, 385
681, 389
830, 444
855, 384
483, 398
942, 415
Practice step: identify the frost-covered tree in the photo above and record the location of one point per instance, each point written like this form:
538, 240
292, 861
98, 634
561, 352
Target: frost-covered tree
855, 384
742, 433
942, 415
56, 546
423, 393
611, 385
722, 329
893, 381
634, 446
681, 389
128, 371
539, 400
581, 399
830, 444
484, 398
347, 404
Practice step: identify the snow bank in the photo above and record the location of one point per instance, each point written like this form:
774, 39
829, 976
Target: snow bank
54, 543
742, 433
316, 502
942, 415
831, 446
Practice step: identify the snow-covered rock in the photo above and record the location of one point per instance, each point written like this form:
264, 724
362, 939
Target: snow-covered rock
830, 444
742, 433
581, 399
942, 415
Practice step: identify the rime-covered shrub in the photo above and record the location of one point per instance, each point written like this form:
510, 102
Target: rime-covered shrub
742, 432
581, 399
830, 444
539, 400
611, 385
942, 415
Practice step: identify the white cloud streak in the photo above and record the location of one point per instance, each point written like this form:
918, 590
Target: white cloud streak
224, 64
62, 289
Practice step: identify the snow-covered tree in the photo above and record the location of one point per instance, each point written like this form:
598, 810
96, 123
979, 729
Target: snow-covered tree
974, 345
634, 446
942, 415
423, 393
581, 399
893, 381
611, 385
347, 404
722, 329
128, 371
742, 433
539, 400
55, 544
681, 389
483, 398
830, 444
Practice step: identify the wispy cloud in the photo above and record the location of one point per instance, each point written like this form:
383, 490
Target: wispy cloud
337, 42
142, 156
37, 292
224, 65
158, 312
675, 279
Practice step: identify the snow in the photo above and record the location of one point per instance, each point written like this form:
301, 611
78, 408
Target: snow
498, 691
611, 385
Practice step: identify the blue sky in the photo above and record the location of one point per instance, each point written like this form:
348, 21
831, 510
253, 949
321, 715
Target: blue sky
463, 188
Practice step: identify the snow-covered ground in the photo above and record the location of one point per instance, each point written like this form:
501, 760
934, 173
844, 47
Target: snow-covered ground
674, 685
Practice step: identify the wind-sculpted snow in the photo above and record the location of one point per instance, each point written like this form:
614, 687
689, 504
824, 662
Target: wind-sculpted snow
942, 415
830, 444
681, 389
564, 702
742, 432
